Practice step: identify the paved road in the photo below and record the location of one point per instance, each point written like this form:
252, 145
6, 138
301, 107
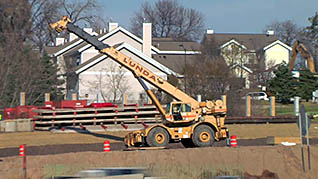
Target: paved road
98, 147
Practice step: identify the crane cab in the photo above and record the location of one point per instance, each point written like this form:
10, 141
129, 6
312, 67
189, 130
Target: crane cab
179, 112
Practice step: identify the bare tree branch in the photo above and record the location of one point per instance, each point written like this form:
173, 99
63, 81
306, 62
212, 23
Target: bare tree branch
169, 19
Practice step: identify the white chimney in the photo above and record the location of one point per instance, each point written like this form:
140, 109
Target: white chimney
209, 31
270, 32
59, 41
112, 26
146, 39
88, 30
72, 37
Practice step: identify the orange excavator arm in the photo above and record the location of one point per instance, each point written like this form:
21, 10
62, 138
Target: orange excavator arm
300, 47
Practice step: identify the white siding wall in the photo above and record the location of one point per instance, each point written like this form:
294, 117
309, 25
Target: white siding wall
88, 54
276, 55
97, 78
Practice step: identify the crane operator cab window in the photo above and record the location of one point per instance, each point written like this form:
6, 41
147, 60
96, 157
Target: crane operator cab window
179, 110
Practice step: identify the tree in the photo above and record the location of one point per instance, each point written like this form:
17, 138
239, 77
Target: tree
209, 78
311, 33
286, 31
283, 85
44, 12
111, 83
307, 83
169, 19
48, 81
22, 68
209, 47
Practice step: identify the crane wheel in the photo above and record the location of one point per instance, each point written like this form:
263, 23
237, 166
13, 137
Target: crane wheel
187, 143
158, 137
203, 136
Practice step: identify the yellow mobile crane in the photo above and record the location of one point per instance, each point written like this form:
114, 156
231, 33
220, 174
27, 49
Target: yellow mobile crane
195, 124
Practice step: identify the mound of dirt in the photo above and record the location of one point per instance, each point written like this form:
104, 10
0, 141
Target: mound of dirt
265, 175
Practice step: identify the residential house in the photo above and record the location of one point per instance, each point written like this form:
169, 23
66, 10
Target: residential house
96, 77
249, 54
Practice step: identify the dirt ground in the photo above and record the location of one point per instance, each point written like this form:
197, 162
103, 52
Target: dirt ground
176, 163
244, 131
172, 163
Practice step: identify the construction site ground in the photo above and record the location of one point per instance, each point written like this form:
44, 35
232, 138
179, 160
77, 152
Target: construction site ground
252, 155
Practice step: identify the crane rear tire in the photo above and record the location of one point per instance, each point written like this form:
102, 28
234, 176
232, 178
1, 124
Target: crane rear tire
203, 136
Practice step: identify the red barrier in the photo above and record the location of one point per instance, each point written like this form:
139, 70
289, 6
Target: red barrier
48, 105
9, 113
233, 141
70, 104
101, 105
106, 146
25, 111
131, 105
124, 125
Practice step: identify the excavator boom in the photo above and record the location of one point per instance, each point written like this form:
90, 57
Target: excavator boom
300, 47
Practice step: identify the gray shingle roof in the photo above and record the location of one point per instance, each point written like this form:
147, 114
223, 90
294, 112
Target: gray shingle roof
176, 62
250, 41
173, 45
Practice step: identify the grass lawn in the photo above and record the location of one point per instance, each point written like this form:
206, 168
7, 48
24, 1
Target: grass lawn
288, 109
262, 108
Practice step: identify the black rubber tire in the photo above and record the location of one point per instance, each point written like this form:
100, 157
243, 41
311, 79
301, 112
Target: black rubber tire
203, 136
187, 143
157, 137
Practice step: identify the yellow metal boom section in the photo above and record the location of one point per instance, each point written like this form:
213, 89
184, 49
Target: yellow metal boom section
60, 25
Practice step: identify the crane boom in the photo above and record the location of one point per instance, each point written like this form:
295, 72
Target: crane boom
137, 69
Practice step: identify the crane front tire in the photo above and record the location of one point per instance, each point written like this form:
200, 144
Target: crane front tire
157, 137
203, 136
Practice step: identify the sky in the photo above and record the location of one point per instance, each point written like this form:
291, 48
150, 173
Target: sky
225, 16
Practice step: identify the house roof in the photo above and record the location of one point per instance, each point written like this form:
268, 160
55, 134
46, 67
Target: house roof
278, 42
100, 57
159, 45
176, 62
242, 67
169, 44
250, 41
67, 47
